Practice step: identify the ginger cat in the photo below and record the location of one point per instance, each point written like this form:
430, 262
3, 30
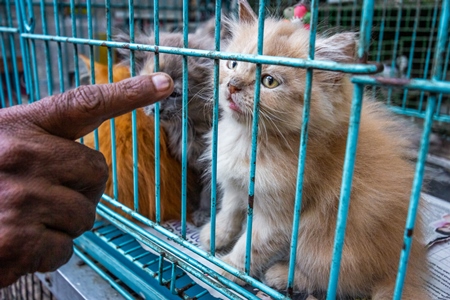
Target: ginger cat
170, 168
381, 184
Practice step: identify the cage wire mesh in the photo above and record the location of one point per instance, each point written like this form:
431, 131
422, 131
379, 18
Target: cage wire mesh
40, 45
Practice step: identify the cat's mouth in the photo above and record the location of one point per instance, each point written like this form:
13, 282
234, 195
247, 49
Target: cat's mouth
231, 98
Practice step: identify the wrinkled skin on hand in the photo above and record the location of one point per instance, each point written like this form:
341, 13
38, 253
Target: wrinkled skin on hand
49, 183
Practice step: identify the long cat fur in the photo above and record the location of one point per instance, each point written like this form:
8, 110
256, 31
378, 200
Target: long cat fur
170, 168
381, 183
199, 94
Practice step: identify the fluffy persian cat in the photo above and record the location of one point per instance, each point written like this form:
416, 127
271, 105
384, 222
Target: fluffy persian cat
381, 184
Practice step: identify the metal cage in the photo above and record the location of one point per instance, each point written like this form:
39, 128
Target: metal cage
40, 43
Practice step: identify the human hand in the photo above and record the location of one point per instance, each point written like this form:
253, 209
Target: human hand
50, 184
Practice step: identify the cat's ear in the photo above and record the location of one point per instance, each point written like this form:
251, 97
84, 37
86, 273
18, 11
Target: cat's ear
340, 47
140, 57
246, 13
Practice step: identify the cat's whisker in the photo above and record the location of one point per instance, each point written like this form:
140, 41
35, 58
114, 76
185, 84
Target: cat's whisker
271, 114
202, 94
266, 118
275, 126
206, 83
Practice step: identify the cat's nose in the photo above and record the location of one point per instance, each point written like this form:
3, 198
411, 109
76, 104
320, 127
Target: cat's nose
233, 89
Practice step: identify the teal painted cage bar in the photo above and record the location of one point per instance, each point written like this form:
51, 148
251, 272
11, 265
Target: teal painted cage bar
40, 43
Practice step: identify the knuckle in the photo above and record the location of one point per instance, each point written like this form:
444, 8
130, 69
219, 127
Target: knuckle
86, 98
128, 89
14, 196
94, 163
15, 156
98, 163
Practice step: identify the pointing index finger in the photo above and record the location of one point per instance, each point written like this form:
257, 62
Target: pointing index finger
79, 111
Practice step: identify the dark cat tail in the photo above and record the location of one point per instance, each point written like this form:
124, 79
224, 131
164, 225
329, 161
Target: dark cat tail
140, 57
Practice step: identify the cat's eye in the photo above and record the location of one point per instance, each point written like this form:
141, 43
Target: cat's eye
269, 82
232, 64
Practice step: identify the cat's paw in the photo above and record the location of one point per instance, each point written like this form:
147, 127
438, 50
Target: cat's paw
223, 237
200, 217
205, 236
277, 276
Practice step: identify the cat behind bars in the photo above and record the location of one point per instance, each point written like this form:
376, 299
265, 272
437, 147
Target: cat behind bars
382, 176
170, 168
199, 93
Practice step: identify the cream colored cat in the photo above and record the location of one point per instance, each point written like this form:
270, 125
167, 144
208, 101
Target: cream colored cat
381, 184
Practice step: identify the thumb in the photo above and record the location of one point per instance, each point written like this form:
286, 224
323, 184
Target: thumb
77, 112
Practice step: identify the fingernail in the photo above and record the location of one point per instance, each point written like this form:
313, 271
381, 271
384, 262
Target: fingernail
161, 82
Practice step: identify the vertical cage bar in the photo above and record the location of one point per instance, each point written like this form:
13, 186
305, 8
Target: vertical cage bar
96, 20
24, 50
30, 22
365, 30
430, 46
338, 14
13, 52
157, 125
2, 93
133, 115
444, 76
302, 149
185, 119
354, 14
35, 69
346, 185
215, 130
66, 51
29, 25
160, 268
48, 66
251, 187
112, 121
91, 60
411, 51
59, 48
173, 279
420, 166
350, 153
6, 72
73, 20
380, 39
394, 52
